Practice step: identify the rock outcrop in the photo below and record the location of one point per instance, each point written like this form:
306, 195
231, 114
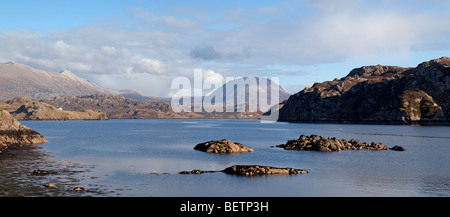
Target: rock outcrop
222, 146
13, 134
398, 148
251, 170
319, 143
377, 94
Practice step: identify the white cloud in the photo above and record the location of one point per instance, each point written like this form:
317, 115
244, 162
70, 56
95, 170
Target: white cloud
146, 83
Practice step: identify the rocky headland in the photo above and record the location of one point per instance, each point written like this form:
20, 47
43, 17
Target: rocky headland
377, 95
222, 147
14, 135
252, 170
119, 107
319, 143
23, 108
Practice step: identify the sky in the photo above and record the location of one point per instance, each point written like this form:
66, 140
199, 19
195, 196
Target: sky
145, 44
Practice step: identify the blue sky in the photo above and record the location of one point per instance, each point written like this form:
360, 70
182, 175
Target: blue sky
143, 45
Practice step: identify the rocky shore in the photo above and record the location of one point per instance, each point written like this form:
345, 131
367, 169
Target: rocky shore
319, 143
13, 134
222, 146
23, 108
255, 170
251, 170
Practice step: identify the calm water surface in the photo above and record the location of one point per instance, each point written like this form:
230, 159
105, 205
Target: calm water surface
143, 158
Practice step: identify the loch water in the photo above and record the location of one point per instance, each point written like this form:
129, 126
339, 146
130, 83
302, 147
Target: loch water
135, 158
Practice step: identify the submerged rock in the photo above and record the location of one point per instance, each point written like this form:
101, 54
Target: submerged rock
222, 146
256, 170
319, 143
377, 94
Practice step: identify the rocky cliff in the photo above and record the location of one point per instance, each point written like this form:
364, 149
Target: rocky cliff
377, 94
13, 134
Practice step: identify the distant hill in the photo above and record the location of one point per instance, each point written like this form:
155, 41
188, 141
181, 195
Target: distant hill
23, 108
259, 86
377, 94
21, 80
137, 95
